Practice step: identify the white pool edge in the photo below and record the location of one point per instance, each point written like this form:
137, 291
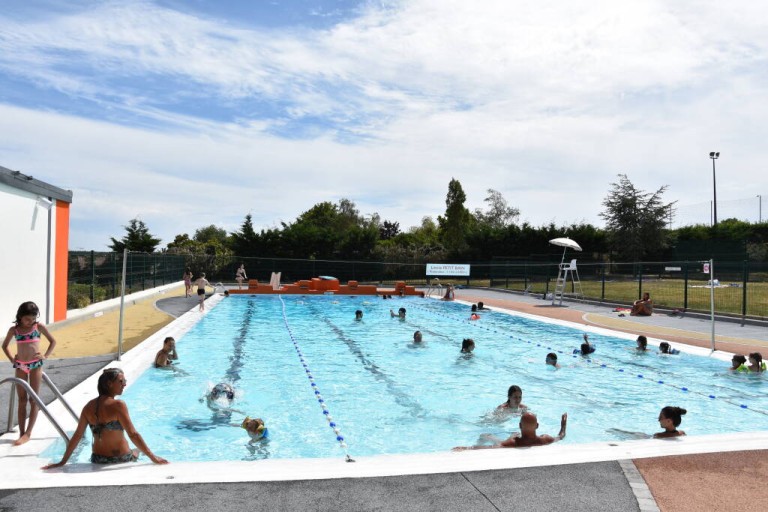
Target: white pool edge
20, 466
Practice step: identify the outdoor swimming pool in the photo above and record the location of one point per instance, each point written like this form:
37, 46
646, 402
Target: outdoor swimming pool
387, 395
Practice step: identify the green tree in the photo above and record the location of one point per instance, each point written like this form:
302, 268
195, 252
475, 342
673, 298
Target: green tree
457, 221
210, 233
636, 220
389, 230
244, 242
499, 214
136, 239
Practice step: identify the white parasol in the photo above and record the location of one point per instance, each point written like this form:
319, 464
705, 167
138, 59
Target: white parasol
565, 243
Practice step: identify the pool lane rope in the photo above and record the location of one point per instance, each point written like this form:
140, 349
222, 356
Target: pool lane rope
684, 389
320, 400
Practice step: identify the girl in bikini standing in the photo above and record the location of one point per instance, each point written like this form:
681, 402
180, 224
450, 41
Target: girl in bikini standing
28, 362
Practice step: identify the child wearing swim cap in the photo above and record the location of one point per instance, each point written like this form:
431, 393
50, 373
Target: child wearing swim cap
255, 428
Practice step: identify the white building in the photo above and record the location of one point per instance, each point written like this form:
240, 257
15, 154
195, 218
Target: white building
34, 234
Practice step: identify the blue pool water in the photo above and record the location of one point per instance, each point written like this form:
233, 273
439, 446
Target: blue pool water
386, 395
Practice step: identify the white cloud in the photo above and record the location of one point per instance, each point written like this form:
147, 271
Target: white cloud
545, 102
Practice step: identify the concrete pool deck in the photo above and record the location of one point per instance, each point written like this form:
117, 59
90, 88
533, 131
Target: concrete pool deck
709, 481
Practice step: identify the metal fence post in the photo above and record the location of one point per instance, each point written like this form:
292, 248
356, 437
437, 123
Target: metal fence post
639, 280
602, 286
93, 278
685, 285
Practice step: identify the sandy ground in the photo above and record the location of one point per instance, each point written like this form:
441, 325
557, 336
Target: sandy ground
99, 335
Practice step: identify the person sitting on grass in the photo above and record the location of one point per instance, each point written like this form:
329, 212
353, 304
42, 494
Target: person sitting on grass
642, 307
527, 436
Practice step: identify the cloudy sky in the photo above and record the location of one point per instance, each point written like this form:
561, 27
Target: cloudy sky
186, 113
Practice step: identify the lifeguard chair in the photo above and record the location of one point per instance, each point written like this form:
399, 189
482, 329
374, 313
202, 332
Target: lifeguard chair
565, 271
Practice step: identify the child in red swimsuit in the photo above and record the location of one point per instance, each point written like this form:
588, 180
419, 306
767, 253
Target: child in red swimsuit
28, 362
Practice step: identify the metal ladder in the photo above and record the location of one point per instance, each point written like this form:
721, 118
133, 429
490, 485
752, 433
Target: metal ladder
564, 271
14, 381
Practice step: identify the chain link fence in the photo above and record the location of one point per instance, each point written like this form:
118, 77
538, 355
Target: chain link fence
96, 276
741, 288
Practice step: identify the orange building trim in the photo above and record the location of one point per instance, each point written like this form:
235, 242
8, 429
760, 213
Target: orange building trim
61, 262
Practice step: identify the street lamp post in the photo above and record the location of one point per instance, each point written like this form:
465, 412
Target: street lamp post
714, 155
760, 208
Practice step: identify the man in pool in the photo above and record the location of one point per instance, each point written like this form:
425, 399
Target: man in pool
400, 313
527, 436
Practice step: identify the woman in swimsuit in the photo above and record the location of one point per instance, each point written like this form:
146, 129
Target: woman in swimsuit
108, 418
187, 282
28, 362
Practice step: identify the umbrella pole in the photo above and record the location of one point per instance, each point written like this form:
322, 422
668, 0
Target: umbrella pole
559, 269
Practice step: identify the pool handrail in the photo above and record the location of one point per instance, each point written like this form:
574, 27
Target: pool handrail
14, 381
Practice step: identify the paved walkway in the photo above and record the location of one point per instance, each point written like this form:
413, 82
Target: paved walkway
733, 481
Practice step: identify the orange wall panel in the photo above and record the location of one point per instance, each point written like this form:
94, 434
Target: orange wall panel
61, 262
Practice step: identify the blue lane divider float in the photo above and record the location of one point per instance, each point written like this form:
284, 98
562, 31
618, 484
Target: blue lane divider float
320, 400
590, 360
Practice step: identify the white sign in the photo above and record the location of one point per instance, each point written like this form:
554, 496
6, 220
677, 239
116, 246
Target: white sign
447, 269
673, 269
706, 268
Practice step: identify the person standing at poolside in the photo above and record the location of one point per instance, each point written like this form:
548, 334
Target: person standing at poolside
527, 436
240, 275
187, 282
28, 362
201, 283
109, 421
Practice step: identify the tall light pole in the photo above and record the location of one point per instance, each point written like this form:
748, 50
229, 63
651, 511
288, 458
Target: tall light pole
714, 155
760, 208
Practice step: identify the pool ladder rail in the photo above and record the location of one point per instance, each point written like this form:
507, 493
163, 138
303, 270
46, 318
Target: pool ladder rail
15, 381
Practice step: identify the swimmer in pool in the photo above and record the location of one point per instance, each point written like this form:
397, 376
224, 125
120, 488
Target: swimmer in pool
738, 363
756, 363
551, 360
514, 400
220, 396
417, 337
467, 346
670, 418
586, 348
359, 315
400, 313
255, 428
527, 436
642, 343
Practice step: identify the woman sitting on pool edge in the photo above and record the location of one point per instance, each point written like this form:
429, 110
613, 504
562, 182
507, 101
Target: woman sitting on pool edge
108, 419
670, 418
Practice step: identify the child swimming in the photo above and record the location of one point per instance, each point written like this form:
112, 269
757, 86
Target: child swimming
255, 428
